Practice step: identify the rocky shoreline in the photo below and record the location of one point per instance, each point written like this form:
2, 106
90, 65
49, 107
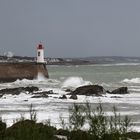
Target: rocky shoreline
89, 90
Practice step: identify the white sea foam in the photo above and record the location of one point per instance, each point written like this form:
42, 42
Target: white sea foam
40, 77
52, 107
74, 82
40, 82
133, 80
117, 64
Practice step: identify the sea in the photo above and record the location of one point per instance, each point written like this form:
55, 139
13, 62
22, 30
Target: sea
110, 76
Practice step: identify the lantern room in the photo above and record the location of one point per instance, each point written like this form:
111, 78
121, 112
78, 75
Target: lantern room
40, 46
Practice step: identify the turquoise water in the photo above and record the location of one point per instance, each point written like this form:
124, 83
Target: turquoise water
108, 75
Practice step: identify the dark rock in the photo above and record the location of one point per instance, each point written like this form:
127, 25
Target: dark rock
13, 91
89, 90
40, 96
1, 95
63, 97
43, 94
115, 97
46, 92
74, 97
30, 89
50, 92
121, 90
107, 91
68, 90
17, 91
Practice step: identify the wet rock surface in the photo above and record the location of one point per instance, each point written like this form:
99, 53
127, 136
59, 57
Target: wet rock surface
63, 97
74, 97
17, 91
28, 90
89, 90
121, 90
40, 96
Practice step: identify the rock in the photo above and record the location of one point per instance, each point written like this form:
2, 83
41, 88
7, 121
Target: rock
63, 97
40, 96
13, 91
121, 90
68, 90
89, 90
74, 97
45, 92
107, 91
17, 91
30, 89
50, 92
115, 97
1, 95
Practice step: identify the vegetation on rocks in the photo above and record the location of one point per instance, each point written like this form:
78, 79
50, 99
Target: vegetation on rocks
84, 123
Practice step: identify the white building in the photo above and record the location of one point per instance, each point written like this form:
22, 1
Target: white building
40, 53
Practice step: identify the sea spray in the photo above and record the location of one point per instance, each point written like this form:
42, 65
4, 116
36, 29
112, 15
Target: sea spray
40, 77
74, 82
133, 80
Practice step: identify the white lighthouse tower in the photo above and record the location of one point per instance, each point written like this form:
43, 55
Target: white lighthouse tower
40, 53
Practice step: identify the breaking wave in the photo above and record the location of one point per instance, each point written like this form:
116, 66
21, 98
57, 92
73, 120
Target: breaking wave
117, 64
40, 77
74, 82
39, 82
133, 80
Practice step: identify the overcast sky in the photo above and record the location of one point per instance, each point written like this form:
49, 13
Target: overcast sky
70, 28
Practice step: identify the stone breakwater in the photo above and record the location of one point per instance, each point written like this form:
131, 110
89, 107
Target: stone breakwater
10, 72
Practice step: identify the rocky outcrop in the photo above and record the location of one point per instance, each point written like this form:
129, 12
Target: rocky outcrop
17, 91
40, 96
89, 90
121, 90
74, 97
31, 90
10, 72
63, 97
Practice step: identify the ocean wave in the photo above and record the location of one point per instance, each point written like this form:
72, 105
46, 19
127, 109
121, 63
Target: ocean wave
39, 82
133, 80
74, 82
117, 64
40, 77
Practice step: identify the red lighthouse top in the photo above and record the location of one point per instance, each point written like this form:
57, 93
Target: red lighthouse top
40, 46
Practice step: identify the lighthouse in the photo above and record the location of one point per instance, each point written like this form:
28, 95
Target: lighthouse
40, 53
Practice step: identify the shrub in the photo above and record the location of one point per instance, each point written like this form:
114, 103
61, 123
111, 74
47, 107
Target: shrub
76, 117
101, 126
33, 115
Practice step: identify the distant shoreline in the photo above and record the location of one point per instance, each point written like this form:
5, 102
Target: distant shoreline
74, 61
